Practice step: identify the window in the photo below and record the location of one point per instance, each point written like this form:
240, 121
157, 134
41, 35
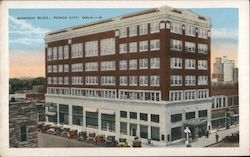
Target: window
77, 80
66, 68
189, 47
143, 63
92, 119
190, 30
123, 48
91, 66
123, 64
23, 133
143, 29
91, 48
202, 48
133, 115
176, 28
176, 117
49, 55
190, 95
108, 80
123, 114
77, 50
202, 80
154, 80
176, 80
108, 46
175, 95
190, 80
66, 80
202, 94
190, 115
60, 80
154, 27
132, 129
143, 80
60, 53
107, 65
66, 52
143, 46
77, 115
155, 133
143, 131
123, 128
123, 95
49, 68
133, 64
63, 114
144, 116
54, 68
60, 68
123, 32
176, 63
189, 63
202, 64
175, 45
78, 67
203, 113
54, 53
108, 122
132, 47
155, 118
155, 45
133, 30
54, 80
49, 80
91, 80
133, 80
154, 63
176, 133
202, 33
123, 80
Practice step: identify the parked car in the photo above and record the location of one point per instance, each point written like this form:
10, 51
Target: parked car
39, 126
123, 143
100, 139
65, 132
82, 136
58, 131
91, 137
45, 128
111, 142
72, 134
51, 130
233, 138
136, 142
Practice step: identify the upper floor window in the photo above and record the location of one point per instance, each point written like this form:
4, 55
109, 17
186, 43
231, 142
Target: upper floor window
91, 48
133, 30
54, 53
202, 80
190, 30
154, 63
176, 63
176, 28
175, 45
123, 64
202, 64
66, 80
108, 80
202, 94
154, 80
49, 69
54, 68
91, 66
202, 33
133, 64
189, 47
91, 80
143, 80
202, 48
123, 80
66, 68
176, 80
54, 80
66, 52
143, 46
60, 80
78, 67
133, 47
143, 29
175, 95
133, 80
123, 32
49, 80
123, 48
154, 27
190, 95
77, 80
143, 63
60, 52
155, 45
60, 68
190, 80
107, 46
49, 54
107, 65
77, 50
189, 63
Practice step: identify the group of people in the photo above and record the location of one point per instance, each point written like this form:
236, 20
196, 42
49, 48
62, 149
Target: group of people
216, 135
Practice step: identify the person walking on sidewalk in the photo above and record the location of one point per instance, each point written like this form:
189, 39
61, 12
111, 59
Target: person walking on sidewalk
217, 137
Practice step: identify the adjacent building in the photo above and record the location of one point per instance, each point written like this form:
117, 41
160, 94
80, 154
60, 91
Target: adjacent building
145, 74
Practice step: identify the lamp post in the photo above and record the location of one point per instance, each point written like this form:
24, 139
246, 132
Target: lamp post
187, 131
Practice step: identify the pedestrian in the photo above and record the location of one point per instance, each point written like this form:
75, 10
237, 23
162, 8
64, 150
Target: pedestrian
217, 137
207, 133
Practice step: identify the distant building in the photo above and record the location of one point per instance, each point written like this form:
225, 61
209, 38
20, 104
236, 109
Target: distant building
39, 88
228, 70
236, 74
22, 123
217, 76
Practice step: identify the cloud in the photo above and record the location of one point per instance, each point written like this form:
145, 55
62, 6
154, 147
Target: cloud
22, 32
225, 34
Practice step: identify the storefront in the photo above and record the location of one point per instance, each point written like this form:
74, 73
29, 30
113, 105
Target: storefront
197, 127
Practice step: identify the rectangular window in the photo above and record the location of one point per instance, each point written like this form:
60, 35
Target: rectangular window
189, 63
123, 114
202, 80
202, 33
190, 95
77, 50
203, 113
66, 80
176, 28
190, 80
63, 114
54, 80
49, 80
176, 80
175, 45
133, 30
92, 119
91, 66
176, 95
107, 65
60, 80
155, 118
78, 67
123, 64
54, 68
154, 27
154, 80
133, 64
123, 48
123, 128
143, 46
108, 80
144, 116
154, 45
202, 48
77, 115
143, 29
91, 80
107, 46
176, 63
143, 63
155, 133
108, 122
133, 115
189, 47
66, 68
154, 63
77, 80
202, 94
66, 52
190, 115
133, 80
143, 80
23, 133
49, 68
60, 53
176, 117
123, 80
91, 48
60, 68
190, 30
54, 53
133, 47
123, 32
202, 64
49, 54
143, 131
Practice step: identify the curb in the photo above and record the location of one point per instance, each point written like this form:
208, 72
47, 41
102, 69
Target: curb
213, 143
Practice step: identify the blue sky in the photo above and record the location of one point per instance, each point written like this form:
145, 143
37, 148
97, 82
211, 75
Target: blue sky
26, 36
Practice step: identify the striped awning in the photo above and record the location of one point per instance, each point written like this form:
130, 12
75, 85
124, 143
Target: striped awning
107, 111
91, 109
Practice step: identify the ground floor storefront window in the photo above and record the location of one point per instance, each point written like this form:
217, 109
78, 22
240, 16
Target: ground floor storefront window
123, 128
108, 121
133, 129
218, 123
155, 133
143, 131
92, 119
176, 133
53, 117
77, 115
63, 114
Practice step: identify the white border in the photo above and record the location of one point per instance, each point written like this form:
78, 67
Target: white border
243, 6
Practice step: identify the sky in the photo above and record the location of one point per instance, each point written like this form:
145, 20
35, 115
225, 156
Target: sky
26, 36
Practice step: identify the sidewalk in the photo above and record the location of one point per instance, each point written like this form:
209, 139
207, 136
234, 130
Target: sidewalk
203, 142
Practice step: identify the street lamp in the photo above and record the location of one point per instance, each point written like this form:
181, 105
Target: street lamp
187, 131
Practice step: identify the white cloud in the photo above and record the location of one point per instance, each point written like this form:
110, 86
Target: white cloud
225, 34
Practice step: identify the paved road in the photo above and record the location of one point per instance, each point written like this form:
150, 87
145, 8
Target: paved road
46, 140
223, 144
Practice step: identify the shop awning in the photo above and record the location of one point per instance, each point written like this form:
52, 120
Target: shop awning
50, 113
91, 109
107, 111
195, 123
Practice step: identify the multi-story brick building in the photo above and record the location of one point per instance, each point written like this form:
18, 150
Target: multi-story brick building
144, 74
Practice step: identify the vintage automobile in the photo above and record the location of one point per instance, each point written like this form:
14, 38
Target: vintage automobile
82, 136
110, 141
91, 137
123, 143
51, 130
58, 131
136, 142
45, 128
72, 134
100, 139
233, 138
39, 126
65, 132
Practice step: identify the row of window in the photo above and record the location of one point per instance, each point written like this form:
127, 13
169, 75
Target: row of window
188, 116
143, 46
143, 116
176, 63
178, 95
176, 45
190, 80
